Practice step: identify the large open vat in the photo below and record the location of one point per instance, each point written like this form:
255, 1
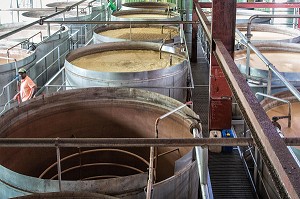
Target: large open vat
270, 33
165, 6
284, 56
243, 15
151, 66
40, 32
38, 37
143, 15
275, 108
151, 33
84, 32
99, 113
96, 7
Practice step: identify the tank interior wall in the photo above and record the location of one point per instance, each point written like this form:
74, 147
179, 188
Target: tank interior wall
73, 115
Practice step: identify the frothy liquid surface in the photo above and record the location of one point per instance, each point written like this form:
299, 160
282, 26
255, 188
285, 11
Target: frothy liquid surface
16, 56
283, 61
126, 61
139, 34
260, 35
145, 16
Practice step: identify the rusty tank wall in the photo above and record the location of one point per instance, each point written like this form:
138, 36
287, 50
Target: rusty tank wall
169, 81
96, 113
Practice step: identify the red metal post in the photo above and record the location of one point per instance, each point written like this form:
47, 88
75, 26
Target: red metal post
299, 18
223, 28
194, 36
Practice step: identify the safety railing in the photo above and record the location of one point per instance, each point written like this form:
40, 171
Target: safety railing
52, 83
270, 66
44, 75
289, 116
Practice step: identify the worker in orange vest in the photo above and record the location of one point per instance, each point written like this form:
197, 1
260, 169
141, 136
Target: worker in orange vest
27, 88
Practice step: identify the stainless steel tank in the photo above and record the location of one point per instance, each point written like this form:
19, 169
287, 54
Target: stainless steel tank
243, 15
144, 15
129, 64
85, 32
284, 56
150, 33
97, 8
8, 70
149, 6
270, 33
45, 46
99, 113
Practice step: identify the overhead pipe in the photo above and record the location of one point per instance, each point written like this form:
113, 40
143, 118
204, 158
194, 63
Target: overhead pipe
131, 142
122, 22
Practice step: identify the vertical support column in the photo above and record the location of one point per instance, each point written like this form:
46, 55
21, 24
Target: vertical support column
194, 36
223, 28
299, 18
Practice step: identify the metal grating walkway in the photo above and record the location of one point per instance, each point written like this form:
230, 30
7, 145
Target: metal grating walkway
228, 176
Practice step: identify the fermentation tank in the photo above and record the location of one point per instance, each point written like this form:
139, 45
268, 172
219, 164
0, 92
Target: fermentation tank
284, 56
144, 15
97, 9
165, 6
152, 66
150, 33
243, 15
275, 108
114, 171
37, 36
270, 33
85, 32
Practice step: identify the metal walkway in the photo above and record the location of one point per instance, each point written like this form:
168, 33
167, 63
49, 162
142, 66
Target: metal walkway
228, 176
227, 173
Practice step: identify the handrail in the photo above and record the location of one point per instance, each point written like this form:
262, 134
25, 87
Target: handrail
271, 67
122, 22
258, 171
248, 34
92, 151
245, 164
25, 41
281, 100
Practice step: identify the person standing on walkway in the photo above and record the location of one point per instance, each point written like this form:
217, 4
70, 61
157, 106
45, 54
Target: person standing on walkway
111, 5
27, 88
